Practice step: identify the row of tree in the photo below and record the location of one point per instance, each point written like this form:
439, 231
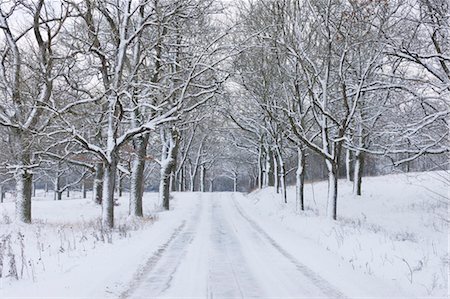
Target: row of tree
257, 94
343, 80
84, 83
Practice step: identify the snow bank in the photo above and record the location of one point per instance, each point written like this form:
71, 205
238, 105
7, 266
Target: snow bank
397, 231
66, 253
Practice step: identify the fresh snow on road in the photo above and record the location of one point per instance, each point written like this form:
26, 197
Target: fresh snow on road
219, 253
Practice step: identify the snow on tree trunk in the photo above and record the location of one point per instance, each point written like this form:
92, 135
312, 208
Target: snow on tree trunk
191, 178
137, 175
300, 180
181, 179
164, 185
282, 176
98, 184
110, 165
192, 182
109, 180
332, 190
164, 188
260, 168
57, 187
275, 172
358, 171
34, 189
24, 182
202, 178
235, 183
168, 159
283, 185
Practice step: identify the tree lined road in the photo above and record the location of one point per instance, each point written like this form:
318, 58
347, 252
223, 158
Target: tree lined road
220, 252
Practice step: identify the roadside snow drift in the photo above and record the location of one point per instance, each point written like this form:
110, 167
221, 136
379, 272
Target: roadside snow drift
396, 231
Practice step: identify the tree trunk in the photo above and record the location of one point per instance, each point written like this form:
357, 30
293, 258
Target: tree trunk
265, 173
260, 168
168, 160
202, 178
57, 187
270, 169
24, 181
137, 175
192, 182
67, 191
211, 185
2, 194
276, 173
332, 189
358, 171
83, 188
97, 191
164, 188
109, 180
185, 182
408, 163
253, 182
181, 179
359, 163
58, 195
282, 177
300, 180
34, 189
235, 183
119, 183
348, 159
46, 187
173, 180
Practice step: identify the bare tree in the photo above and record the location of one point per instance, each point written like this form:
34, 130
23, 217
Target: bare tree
27, 73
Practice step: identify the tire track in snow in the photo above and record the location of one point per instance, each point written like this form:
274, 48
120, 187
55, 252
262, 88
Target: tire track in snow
315, 278
151, 262
158, 277
229, 275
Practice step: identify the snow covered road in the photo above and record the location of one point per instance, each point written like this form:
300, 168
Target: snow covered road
220, 252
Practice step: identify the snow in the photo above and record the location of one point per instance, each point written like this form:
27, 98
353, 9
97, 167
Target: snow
227, 258
397, 231
235, 245
66, 254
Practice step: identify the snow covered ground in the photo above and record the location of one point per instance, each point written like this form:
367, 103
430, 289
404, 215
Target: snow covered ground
65, 253
397, 231
391, 242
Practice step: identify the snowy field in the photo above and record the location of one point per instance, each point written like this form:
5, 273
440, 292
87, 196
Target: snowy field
66, 253
397, 231
391, 242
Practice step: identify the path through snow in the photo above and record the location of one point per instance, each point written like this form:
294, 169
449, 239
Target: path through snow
220, 252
